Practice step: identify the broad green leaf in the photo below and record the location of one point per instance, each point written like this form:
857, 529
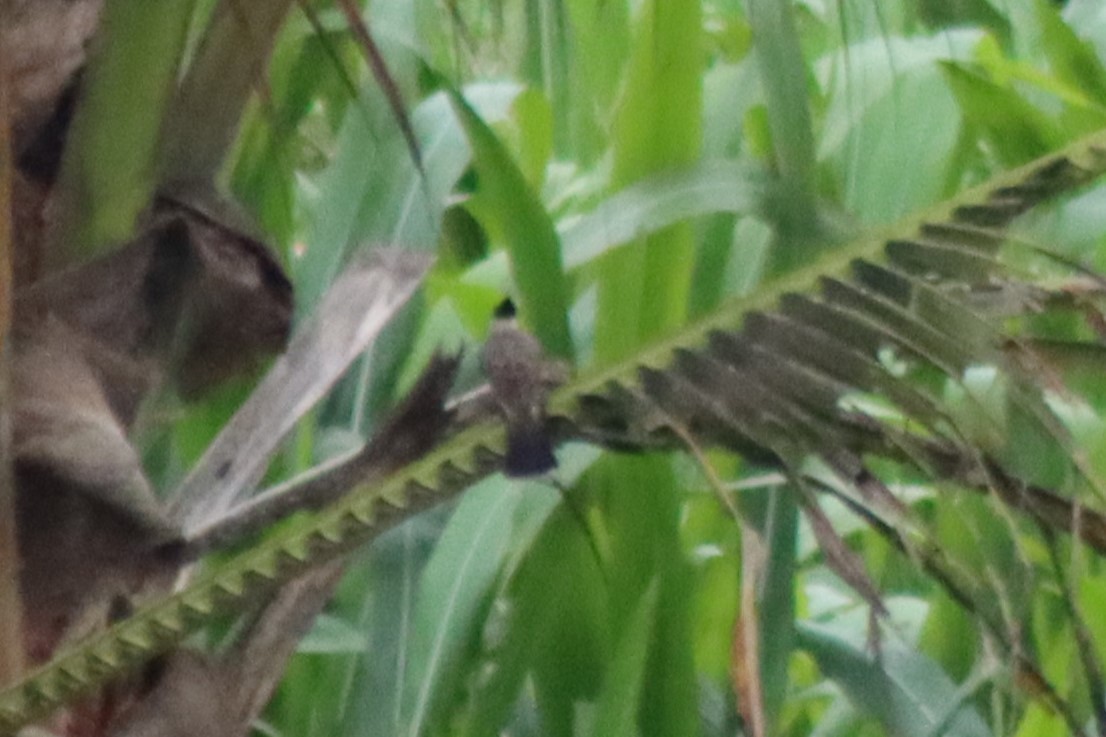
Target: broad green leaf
729, 92
860, 75
915, 129
784, 80
1040, 721
904, 690
890, 111
1088, 20
714, 542
561, 588
1070, 58
601, 39
533, 136
658, 202
949, 636
549, 622
1017, 130
454, 591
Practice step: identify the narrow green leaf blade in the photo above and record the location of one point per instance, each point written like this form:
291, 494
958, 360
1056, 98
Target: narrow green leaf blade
454, 590
526, 230
619, 702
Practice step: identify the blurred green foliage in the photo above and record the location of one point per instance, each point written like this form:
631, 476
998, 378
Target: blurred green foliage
619, 167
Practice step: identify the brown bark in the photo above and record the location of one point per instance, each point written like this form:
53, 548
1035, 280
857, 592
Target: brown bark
11, 652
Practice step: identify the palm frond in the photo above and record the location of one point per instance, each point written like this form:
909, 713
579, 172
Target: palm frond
935, 293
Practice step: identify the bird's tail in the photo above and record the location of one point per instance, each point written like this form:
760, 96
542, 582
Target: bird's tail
529, 450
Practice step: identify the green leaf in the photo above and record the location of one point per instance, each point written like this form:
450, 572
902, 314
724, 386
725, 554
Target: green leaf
890, 111
615, 714
783, 77
573, 648
373, 193
640, 503
286, 137
906, 691
643, 290
1017, 130
110, 166
774, 515
601, 40
378, 596
1070, 58
332, 635
867, 71
516, 217
660, 201
454, 591
551, 621
533, 139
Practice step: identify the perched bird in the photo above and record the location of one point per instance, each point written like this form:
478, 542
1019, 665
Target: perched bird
519, 375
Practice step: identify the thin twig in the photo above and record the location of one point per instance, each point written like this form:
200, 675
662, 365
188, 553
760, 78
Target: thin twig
745, 665
384, 78
713, 480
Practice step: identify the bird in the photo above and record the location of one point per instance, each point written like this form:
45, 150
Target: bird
519, 374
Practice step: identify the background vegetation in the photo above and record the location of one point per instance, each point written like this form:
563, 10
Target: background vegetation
625, 169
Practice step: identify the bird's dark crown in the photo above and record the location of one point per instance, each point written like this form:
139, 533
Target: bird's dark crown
506, 309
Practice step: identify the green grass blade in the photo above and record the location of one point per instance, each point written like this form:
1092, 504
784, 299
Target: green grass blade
783, 76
